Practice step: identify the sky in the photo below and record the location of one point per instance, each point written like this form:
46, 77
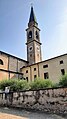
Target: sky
51, 16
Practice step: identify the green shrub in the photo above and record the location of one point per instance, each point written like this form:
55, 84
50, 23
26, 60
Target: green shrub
19, 85
40, 84
14, 84
63, 81
55, 85
5, 83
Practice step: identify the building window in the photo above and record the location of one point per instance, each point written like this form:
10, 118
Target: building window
27, 79
34, 69
30, 55
46, 75
45, 66
26, 71
35, 76
20, 76
61, 62
1, 62
37, 55
62, 71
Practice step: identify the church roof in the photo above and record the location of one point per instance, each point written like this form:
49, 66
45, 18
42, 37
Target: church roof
32, 16
45, 60
1, 52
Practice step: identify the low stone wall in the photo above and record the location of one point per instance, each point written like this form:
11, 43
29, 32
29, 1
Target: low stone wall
48, 100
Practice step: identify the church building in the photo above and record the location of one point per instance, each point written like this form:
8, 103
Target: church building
14, 67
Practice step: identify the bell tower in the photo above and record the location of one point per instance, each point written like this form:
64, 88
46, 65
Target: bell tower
33, 40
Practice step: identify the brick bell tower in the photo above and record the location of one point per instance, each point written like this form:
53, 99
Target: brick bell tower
33, 40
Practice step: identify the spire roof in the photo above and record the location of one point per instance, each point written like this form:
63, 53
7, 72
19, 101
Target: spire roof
32, 16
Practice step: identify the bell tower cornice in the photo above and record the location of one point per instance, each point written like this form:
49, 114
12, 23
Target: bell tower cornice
35, 41
33, 26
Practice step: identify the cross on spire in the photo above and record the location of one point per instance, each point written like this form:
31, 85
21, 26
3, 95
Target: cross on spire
31, 4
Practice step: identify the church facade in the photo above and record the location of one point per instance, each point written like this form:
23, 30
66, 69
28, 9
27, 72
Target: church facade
14, 67
10, 66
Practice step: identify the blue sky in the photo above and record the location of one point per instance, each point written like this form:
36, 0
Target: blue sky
52, 20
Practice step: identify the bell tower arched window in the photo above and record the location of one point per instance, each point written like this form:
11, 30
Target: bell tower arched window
37, 35
30, 34
1, 62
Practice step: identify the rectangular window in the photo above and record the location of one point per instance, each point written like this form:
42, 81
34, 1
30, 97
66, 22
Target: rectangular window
30, 55
46, 75
45, 66
27, 79
61, 62
34, 69
35, 76
26, 71
62, 71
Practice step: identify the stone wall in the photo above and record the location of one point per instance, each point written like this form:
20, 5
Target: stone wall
48, 100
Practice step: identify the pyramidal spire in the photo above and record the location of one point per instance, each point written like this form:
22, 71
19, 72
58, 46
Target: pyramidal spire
32, 16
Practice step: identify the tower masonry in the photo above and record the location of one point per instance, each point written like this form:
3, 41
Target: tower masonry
33, 40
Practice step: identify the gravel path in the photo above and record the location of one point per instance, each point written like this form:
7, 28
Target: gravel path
10, 116
12, 113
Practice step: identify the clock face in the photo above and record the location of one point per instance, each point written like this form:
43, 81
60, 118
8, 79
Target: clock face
30, 34
38, 49
37, 35
30, 48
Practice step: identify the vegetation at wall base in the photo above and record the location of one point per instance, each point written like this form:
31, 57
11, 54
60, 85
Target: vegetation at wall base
38, 83
55, 85
63, 81
14, 84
